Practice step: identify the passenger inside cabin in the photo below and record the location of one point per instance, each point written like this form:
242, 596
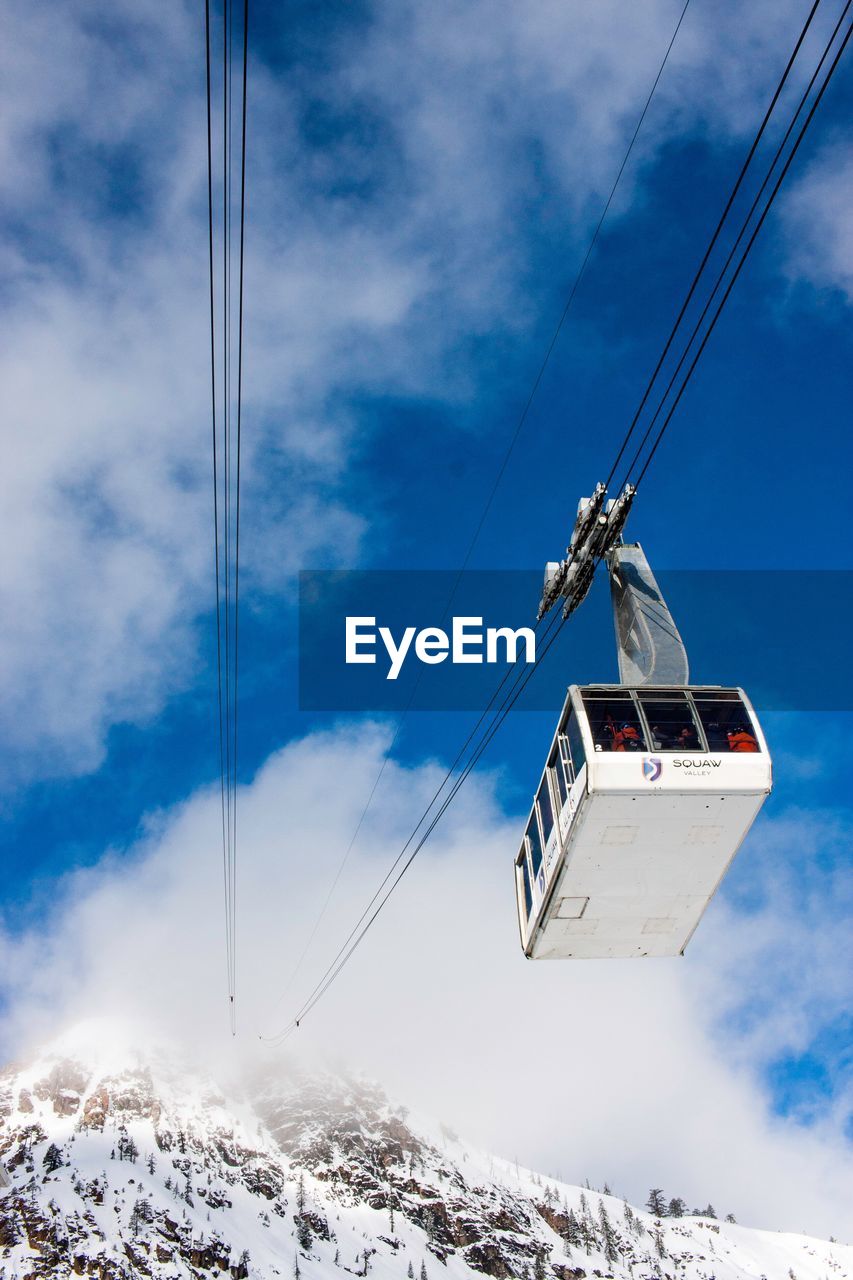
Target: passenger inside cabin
673, 728
625, 738
740, 739
631, 740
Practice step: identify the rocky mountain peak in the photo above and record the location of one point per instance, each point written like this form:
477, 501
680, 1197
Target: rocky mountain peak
118, 1167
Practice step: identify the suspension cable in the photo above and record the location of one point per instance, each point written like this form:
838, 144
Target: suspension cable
720, 224
743, 230
571, 297
367, 917
216, 539
225, 408
768, 205
237, 497
385, 890
475, 537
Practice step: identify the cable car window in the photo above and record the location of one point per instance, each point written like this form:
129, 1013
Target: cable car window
566, 757
726, 722
528, 896
671, 722
535, 844
558, 771
546, 809
575, 742
614, 722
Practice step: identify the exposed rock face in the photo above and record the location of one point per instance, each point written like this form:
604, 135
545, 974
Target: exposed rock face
347, 1136
154, 1173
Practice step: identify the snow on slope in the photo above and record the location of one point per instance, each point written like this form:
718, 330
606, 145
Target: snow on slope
129, 1165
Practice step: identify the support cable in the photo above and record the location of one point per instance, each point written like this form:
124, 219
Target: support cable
492, 493
226, 363
237, 503
381, 898
227, 408
219, 669
522, 676
575, 285
743, 230
756, 230
710, 249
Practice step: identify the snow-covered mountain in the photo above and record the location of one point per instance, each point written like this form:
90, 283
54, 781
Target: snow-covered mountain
135, 1167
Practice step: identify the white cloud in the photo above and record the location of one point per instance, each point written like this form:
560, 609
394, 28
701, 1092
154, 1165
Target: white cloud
630, 1072
787, 929
817, 225
372, 260
459, 140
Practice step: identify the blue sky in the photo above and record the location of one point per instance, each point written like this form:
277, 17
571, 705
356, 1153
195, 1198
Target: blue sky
422, 186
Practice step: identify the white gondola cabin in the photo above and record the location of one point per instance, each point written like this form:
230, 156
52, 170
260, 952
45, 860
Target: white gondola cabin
645, 798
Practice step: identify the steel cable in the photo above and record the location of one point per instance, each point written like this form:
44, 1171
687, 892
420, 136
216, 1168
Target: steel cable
227, 478
492, 493
380, 899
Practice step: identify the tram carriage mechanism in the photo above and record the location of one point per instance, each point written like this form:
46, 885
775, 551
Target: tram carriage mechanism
649, 787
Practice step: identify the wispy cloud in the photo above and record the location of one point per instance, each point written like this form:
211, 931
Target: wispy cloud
817, 225
404, 190
416, 187
638, 1073
781, 981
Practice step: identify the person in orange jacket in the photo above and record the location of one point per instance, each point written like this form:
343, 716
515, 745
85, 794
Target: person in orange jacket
626, 739
740, 739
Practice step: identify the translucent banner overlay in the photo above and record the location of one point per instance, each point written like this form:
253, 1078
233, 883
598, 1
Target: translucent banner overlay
782, 636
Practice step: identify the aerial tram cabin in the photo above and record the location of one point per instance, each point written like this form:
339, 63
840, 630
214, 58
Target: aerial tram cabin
626, 844
649, 789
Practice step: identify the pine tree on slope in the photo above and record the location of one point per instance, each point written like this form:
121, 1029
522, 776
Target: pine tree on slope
52, 1158
656, 1204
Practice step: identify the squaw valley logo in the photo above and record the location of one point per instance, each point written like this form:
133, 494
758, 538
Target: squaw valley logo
652, 767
